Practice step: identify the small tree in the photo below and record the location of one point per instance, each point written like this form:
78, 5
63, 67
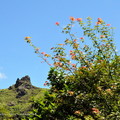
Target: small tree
84, 78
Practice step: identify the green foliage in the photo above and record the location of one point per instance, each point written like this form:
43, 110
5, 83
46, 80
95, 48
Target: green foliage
84, 79
12, 108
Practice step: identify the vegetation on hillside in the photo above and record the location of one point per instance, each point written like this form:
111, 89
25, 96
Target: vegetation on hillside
13, 107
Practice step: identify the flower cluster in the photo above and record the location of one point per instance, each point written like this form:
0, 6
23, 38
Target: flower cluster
71, 93
78, 112
28, 39
95, 110
75, 19
57, 23
100, 21
46, 83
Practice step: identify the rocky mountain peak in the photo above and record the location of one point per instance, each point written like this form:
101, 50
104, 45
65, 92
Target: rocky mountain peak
23, 82
21, 86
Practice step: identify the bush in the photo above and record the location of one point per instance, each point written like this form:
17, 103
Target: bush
84, 78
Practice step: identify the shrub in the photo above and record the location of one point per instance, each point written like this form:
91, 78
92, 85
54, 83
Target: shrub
84, 78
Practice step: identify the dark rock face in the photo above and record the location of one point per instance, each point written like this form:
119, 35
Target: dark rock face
21, 86
24, 82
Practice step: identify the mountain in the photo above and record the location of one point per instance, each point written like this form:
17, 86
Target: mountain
17, 99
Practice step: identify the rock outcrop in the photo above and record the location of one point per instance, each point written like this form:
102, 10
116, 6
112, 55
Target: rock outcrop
21, 86
24, 82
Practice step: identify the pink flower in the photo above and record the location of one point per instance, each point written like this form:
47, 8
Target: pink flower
46, 55
73, 54
95, 110
97, 23
45, 84
57, 23
74, 40
77, 112
102, 36
83, 67
72, 18
79, 19
80, 52
43, 53
50, 64
61, 44
108, 24
100, 20
82, 38
71, 51
71, 93
73, 65
27, 38
58, 64
73, 57
37, 49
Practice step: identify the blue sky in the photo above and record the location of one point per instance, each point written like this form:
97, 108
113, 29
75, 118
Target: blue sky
36, 18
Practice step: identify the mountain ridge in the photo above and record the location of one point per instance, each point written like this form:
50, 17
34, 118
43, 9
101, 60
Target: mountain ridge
17, 99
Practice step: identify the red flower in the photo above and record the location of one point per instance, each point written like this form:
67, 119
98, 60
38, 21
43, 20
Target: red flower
61, 44
45, 84
58, 64
79, 19
37, 49
50, 64
74, 40
57, 23
71, 51
83, 67
73, 54
97, 23
82, 38
27, 38
100, 20
77, 112
108, 24
73, 57
74, 65
46, 55
72, 18
43, 53
102, 36
71, 93
95, 110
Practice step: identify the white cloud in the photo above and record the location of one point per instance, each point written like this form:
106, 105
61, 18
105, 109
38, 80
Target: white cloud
2, 76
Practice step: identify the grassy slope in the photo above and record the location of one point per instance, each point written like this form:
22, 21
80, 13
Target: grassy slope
10, 105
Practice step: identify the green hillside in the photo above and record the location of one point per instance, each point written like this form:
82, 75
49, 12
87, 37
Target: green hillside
16, 101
